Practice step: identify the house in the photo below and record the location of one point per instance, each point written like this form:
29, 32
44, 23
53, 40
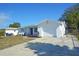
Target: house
46, 28
51, 28
11, 31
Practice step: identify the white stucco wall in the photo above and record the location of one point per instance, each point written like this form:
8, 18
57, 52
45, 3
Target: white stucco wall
40, 30
47, 29
51, 29
60, 31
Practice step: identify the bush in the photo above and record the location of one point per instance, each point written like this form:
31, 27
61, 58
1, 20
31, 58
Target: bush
77, 37
2, 32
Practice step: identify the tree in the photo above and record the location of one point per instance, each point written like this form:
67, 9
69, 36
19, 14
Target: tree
15, 25
71, 17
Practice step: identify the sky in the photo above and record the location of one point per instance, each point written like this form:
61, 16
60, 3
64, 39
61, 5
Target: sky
30, 13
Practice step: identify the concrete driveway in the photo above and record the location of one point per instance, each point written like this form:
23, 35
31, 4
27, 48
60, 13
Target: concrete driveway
43, 47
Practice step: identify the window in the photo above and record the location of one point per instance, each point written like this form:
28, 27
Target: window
14, 30
35, 29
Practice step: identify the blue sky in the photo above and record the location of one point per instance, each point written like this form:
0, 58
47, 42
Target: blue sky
27, 13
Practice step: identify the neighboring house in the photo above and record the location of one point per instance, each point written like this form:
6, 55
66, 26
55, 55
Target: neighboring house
11, 31
47, 28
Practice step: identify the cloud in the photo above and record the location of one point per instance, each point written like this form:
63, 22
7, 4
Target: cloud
3, 17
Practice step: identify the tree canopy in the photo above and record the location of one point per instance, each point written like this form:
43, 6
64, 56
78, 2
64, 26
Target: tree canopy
15, 25
71, 17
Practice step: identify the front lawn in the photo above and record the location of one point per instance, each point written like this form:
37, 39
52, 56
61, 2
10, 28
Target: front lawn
9, 41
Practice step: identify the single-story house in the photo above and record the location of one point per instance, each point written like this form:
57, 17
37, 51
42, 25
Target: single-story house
51, 28
11, 31
45, 28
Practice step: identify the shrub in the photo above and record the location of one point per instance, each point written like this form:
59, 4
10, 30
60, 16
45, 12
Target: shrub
2, 32
78, 37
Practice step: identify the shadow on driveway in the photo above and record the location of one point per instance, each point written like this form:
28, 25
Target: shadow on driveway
45, 49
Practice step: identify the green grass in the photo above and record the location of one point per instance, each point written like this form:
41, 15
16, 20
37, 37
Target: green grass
9, 41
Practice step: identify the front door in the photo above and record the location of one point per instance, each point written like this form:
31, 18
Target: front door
31, 31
